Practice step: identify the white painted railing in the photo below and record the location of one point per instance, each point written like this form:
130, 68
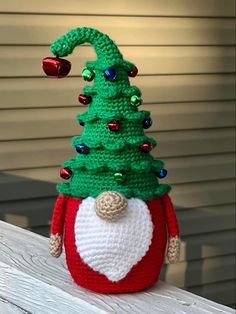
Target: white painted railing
31, 281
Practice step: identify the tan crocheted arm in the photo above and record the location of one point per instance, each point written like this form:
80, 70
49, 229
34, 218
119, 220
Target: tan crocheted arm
173, 248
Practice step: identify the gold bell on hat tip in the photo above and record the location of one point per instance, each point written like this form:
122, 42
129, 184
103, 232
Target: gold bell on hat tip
110, 205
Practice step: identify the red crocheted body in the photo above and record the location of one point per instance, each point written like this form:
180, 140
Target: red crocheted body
142, 275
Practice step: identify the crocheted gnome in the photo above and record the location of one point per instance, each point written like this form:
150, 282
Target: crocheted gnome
115, 217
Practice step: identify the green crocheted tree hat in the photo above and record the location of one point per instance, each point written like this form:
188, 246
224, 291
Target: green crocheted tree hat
113, 152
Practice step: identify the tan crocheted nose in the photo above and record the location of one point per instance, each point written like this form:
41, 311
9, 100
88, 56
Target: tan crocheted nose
110, 205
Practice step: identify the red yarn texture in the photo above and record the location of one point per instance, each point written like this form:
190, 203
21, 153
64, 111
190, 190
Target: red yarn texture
58, 218
142, 275
170, 217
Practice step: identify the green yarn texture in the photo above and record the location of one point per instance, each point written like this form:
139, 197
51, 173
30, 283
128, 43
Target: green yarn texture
109, 152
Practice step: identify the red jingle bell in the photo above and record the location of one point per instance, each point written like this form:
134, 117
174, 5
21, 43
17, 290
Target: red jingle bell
84, 99
56, 67
134, 72
114, 126
65, 173
146, 147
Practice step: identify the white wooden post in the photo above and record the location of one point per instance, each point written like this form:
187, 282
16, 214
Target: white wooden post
31, 281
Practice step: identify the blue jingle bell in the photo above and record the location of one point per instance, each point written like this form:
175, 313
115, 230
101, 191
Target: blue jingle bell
110, 74
147, 123
82, 149
162, 173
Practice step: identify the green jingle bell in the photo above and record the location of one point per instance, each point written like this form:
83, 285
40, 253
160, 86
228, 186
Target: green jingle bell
88, 75
119, 177
136, 100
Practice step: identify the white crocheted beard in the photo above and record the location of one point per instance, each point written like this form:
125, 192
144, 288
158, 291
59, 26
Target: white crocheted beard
113, 248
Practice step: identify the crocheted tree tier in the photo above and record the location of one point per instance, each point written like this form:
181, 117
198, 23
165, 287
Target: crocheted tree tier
93, 114
110, 160
106, 91
117, 143
86, 184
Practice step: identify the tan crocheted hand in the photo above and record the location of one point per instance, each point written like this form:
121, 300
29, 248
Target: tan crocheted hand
55, 245
173, 250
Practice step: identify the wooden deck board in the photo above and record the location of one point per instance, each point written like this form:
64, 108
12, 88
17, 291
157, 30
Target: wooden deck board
37, 283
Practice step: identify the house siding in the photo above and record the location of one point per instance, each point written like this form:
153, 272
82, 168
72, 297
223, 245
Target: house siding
186, 58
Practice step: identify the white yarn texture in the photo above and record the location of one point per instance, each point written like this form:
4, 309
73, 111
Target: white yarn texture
113, 248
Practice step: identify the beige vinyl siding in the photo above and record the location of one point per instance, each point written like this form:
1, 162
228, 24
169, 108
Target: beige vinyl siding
154, 60
213, 8
186, 58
